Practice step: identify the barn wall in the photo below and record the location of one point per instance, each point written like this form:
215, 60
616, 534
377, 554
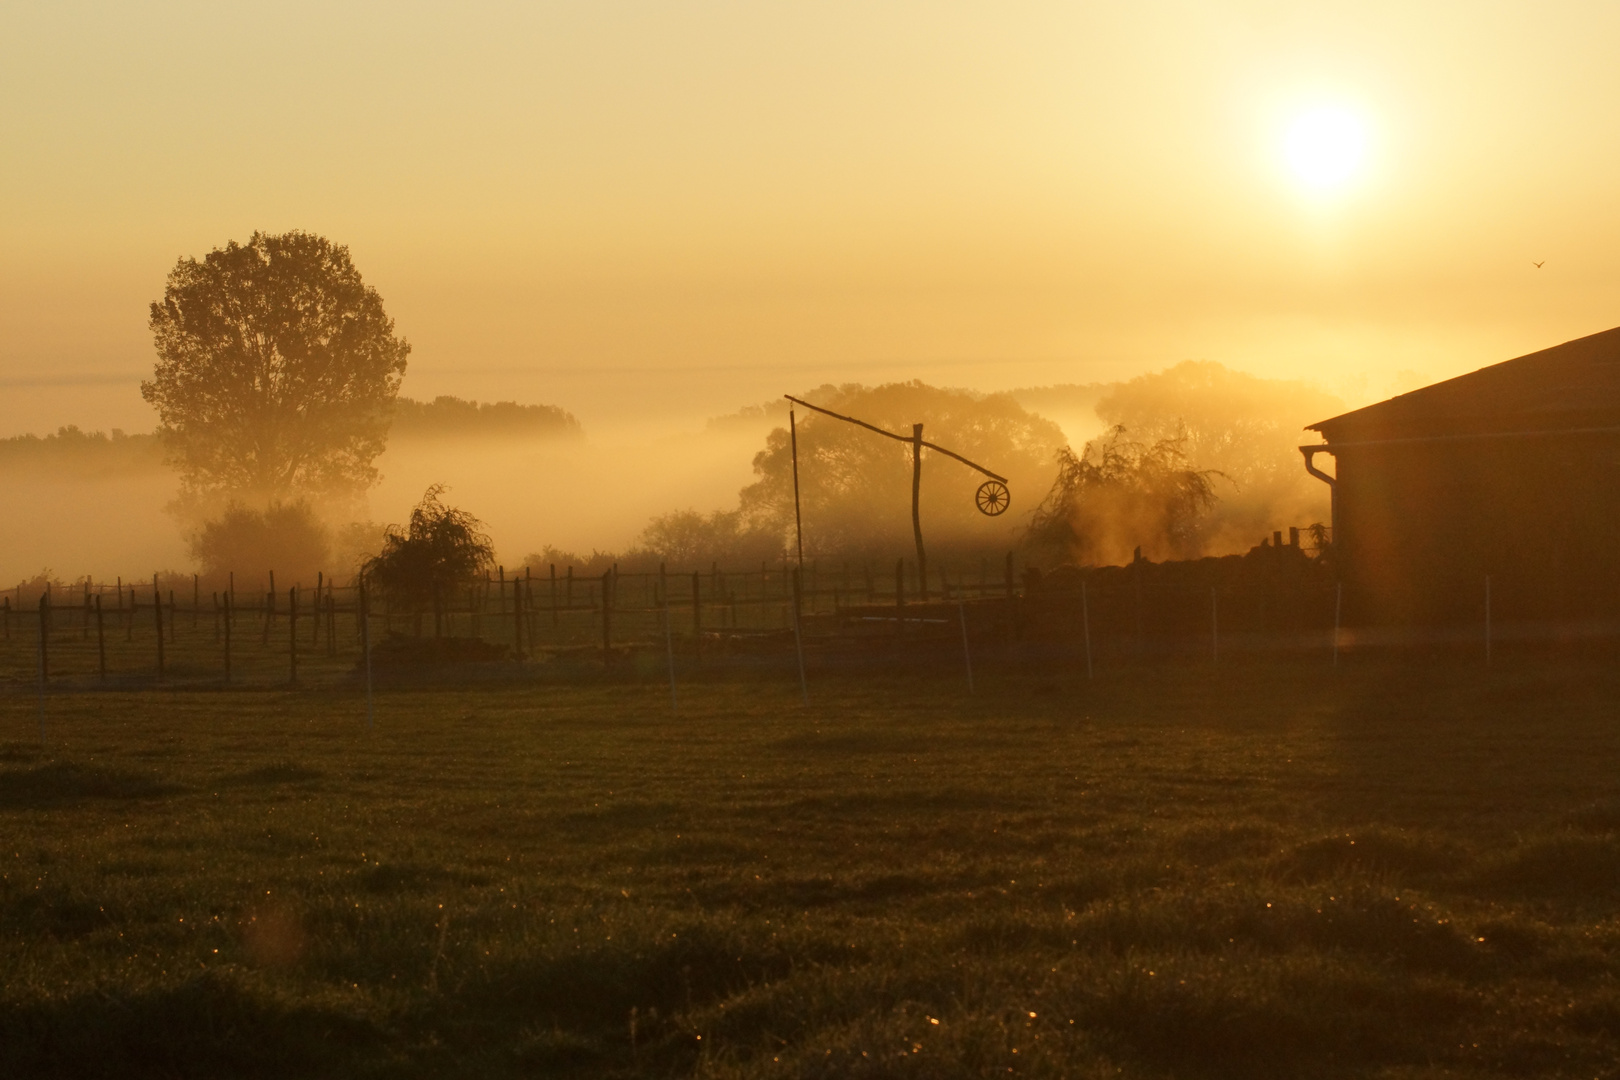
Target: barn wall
1420, 525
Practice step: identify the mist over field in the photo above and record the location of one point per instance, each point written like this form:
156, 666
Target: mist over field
109, 499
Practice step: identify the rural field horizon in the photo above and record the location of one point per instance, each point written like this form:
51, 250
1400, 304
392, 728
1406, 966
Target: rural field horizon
809, 541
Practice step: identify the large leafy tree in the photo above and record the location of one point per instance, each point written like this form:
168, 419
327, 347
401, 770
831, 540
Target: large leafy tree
277, 370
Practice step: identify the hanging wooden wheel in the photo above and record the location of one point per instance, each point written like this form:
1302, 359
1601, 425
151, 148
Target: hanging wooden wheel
992, 498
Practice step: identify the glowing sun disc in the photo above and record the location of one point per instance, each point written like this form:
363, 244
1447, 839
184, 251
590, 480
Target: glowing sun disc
1326, 147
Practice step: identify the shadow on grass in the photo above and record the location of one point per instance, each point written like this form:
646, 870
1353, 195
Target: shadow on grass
211, 1025
60, 784
283, 772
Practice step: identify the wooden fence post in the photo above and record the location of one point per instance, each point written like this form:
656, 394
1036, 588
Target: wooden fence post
101, 642
607, 615
229, 604
292, 636
517, 616
157, 614
44, 658
553, 596
44, 640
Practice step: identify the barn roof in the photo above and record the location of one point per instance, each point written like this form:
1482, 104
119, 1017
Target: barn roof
1570, 386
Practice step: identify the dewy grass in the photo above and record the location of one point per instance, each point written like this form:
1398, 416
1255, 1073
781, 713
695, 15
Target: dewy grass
1269, 871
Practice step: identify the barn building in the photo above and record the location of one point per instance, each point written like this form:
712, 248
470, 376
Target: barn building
1511, 472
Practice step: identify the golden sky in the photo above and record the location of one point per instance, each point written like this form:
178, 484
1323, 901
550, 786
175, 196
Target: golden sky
635, 209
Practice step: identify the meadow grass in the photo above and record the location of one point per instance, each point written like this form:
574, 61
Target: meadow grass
1398, 869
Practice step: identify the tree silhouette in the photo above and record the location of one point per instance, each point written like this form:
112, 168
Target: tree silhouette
277, 370
1119, 494
424, 562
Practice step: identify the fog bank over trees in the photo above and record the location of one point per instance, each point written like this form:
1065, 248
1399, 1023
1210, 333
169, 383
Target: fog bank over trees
552, 491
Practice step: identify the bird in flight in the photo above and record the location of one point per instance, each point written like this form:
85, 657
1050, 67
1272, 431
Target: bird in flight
1538, 265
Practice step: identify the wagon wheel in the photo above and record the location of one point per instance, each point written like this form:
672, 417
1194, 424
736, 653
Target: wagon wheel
992, 498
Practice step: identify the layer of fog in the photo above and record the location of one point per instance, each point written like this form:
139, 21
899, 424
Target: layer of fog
583, 494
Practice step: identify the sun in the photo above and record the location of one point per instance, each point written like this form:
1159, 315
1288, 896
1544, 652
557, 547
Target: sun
1326, 148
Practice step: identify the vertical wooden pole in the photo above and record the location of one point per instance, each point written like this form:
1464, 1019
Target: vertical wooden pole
798, 521
501, 591
568, 588
315, 609
101, 642
916, 511
553, 596
270, 608
292, 636
798, 641
157, 614
517, 616
44, 659
229, 604
528, 606
669, 649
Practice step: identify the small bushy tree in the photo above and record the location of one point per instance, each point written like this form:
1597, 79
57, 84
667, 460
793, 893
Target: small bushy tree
1119, 494
440, 550
287, 538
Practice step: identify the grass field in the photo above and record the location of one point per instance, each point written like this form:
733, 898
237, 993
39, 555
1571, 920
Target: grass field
1273, 870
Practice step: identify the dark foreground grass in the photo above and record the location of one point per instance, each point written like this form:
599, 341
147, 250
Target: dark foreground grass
1270, 871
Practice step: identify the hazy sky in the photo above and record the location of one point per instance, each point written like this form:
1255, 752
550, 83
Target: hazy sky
640, 208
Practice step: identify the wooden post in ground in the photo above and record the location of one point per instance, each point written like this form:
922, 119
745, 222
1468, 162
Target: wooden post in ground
101, 643
554, 596
292, 636
157, 614
501, 591
44, 658
517, 616
229, 604
916, 511
798, 640
967, 655
568, 588
607, 616
315, 609
669, 647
